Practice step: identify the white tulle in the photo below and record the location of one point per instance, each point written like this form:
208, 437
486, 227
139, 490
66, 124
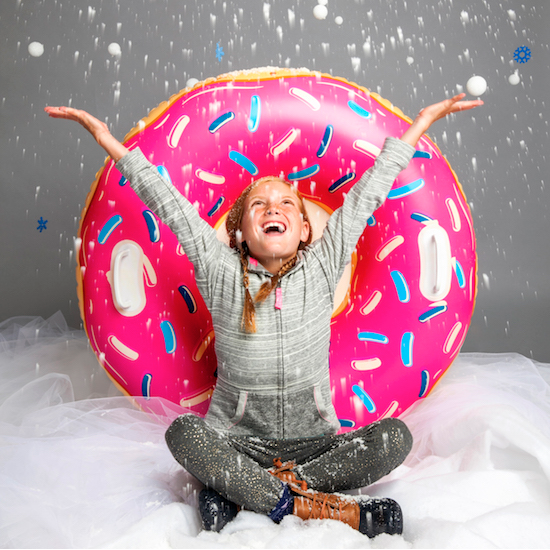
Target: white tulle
82, 466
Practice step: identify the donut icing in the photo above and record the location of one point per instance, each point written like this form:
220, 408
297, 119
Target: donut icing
405, 303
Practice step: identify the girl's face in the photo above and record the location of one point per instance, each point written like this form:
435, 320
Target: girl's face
273, 225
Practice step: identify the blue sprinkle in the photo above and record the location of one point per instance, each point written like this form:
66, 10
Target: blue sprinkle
346, 423
255, 113
405, 190
108, 228
220, 121
431, 313
425, 380
371, 222
373, 337
403, 292
422, 155
407, 341
146, 386
244, 162
325, 142
365, 398
169, 336
217, 206
459, 272
152, 226
341, 182
305, 173
122, 181
189, 299
164, 173
417, 216
357, 109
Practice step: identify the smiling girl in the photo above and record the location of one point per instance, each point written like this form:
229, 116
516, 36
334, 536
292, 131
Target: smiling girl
269, 441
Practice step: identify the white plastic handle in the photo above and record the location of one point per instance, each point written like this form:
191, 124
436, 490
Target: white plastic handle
117, 279
437, 270
127, 278
434, 249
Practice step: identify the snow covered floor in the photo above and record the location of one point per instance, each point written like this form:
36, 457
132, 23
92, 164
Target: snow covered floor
81, 467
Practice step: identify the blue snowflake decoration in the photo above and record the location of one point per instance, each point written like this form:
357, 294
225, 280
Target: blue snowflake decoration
219, 52
41, 224
522, 54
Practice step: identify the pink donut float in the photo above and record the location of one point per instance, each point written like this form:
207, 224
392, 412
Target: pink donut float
405, 303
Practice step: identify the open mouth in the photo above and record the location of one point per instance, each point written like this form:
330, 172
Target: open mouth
273, 227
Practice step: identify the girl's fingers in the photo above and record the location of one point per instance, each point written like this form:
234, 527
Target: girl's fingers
62, 112
465, 105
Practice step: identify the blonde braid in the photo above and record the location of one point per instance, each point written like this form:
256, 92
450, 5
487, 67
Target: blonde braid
248, 319
268, 286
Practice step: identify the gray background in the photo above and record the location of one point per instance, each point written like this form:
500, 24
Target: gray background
412, 53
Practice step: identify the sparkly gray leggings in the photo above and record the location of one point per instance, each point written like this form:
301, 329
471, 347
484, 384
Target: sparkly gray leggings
236, 466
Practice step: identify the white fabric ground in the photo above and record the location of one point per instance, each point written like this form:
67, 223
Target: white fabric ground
82, 467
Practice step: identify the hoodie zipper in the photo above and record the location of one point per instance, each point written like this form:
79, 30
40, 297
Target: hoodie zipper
279, 315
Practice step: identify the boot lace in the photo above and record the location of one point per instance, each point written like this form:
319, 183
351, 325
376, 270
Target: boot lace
323, 505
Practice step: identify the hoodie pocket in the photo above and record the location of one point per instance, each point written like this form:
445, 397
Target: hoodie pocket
322, 408
239, 409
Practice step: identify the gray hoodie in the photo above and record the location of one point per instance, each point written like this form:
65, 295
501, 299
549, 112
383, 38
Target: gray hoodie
273, 383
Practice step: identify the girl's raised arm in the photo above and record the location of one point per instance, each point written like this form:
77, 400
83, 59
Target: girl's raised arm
434, 112
98, 129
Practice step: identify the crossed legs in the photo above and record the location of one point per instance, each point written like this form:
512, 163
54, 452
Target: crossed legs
236, 467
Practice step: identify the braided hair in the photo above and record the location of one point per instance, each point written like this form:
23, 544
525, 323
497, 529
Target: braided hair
233, 225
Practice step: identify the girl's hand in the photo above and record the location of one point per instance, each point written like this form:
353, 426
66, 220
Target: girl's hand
429, 115
98, 129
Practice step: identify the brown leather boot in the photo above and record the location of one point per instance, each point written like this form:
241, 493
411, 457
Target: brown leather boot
370, 516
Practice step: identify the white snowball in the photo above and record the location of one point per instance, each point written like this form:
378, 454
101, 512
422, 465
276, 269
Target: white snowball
339, 20
114, 49
320, 11
191, 82
477, 85
36, 49
410, 60
514, 79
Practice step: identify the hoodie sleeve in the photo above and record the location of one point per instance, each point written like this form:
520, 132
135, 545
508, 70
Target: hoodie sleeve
197, 238
348, 222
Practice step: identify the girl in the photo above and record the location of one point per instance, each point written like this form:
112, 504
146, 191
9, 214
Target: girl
270, 431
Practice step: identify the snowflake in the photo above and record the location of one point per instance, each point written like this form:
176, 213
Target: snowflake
522, 54
41, 224
219, 52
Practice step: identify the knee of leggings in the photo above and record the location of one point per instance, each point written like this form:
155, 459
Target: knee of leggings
398, 435
183, 431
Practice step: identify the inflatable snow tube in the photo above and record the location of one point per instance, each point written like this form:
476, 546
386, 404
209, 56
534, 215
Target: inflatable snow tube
405, 302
